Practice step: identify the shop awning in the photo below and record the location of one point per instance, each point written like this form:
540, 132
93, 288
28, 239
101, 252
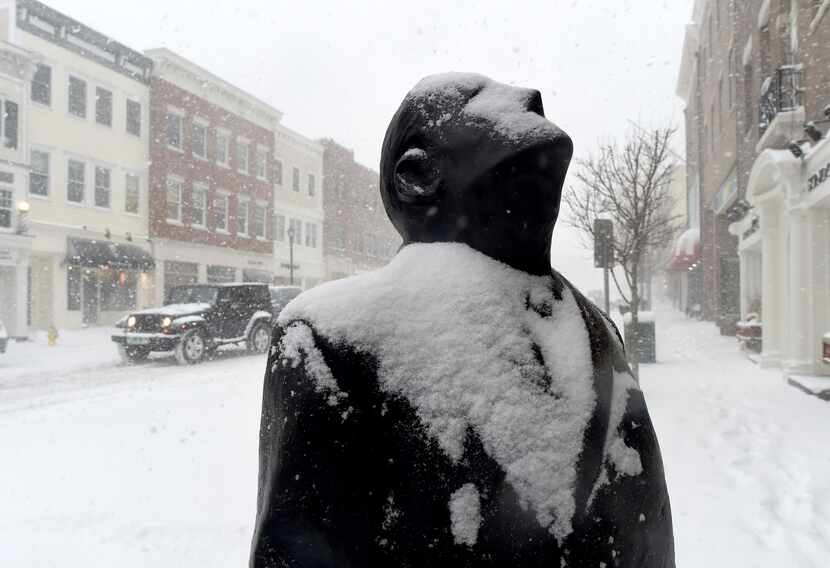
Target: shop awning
104, 253
686, 251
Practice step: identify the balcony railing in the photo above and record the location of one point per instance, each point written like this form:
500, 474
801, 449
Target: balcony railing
781, 92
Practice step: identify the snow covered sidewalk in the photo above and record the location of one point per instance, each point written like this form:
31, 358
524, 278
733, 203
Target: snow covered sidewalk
745, 453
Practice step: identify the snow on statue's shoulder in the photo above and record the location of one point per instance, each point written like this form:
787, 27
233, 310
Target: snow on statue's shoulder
473, 345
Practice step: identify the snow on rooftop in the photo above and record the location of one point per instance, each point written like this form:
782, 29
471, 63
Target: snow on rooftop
456, 332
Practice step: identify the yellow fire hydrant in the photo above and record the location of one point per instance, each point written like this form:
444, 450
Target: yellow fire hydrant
52, 335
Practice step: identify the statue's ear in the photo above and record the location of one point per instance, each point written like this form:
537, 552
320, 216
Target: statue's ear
417, 178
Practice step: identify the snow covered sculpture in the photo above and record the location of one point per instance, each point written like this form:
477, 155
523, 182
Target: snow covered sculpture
464, 405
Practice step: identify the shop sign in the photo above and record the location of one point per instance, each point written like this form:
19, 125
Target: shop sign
726, 194
7, 256
818, 177
255, 263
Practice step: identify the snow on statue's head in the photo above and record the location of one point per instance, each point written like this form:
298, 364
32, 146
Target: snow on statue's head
466, 159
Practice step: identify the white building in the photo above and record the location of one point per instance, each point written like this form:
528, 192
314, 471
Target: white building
16, 69
298, 207
88, 150
785, 256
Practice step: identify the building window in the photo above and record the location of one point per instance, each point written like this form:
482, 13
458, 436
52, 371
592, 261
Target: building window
174, 130
259, 221
77, 97
222, 144
133, 117
199, 145
261, 161
5, 208
242, 157
132, 192
311, 235
279, 228
198, 198
295, 179
42, 85
103, 106
103, 187
174, 200
311, 184
296, 227
39, 174
75, 182
10, 120
242, 217
220, 212
278, 172
73, 288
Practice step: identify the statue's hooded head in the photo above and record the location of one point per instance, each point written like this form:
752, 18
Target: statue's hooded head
466, 159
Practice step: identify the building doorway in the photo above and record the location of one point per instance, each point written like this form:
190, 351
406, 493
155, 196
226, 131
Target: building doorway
89, 296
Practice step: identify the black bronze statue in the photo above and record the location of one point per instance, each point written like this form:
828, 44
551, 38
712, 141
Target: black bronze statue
463, 406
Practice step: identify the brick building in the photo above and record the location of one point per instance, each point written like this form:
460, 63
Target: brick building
211, 185
359, 235
708, 85
753, 74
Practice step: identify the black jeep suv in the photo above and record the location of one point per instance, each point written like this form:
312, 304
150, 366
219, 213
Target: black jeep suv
197, 319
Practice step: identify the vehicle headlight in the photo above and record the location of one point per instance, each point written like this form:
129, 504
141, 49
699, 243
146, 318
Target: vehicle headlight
131, 321
165, 322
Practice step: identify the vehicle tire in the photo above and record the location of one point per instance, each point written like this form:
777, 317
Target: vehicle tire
133, 354
192, 347
259, 340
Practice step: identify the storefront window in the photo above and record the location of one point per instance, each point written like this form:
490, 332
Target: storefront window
5, 208
179, 274
118, 290
217, 274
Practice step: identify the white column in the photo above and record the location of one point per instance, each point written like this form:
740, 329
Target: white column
796, 348
22, 291
744, 282
771, 292
818, 286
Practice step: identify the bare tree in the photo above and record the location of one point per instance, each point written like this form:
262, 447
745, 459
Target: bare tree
628, 184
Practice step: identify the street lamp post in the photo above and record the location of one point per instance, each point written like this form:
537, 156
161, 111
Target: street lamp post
22, 213
291, 255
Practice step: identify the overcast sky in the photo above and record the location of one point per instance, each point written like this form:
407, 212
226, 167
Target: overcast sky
340, 68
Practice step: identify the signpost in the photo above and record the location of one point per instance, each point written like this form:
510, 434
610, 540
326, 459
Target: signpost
604, 252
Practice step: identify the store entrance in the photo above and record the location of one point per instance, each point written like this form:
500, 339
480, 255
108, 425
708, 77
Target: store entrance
89, 296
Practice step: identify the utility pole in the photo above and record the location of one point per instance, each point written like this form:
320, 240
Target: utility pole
291, 256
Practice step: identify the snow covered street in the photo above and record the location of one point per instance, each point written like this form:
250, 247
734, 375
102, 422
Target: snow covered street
155, 464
